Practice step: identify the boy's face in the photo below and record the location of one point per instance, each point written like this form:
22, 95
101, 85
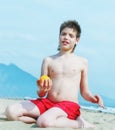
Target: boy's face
67, 39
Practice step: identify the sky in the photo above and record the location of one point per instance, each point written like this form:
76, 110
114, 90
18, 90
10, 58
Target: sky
29, 31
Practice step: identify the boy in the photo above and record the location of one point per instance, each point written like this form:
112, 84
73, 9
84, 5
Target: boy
58, 103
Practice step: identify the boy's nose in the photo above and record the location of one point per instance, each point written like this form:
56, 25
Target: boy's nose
66, 37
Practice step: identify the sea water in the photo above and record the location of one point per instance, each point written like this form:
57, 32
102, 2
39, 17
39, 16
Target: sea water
99, 109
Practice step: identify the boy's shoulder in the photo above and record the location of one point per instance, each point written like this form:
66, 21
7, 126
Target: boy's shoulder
49, 58
82, 59
83, 62
52, 56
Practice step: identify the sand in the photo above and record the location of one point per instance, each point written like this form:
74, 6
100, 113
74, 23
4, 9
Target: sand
102, 121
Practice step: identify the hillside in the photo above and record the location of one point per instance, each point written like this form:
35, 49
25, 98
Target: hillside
15, 82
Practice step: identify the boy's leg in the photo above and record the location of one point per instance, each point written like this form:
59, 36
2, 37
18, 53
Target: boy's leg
25, 111
56, 117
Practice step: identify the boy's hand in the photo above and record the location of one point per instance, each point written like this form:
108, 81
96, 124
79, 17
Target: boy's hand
44, 83
98, 100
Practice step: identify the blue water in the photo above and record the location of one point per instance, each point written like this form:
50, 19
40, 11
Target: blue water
110, 110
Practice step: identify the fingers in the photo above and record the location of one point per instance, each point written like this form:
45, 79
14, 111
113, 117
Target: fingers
45, 84
49, 85
99, 101
101, 104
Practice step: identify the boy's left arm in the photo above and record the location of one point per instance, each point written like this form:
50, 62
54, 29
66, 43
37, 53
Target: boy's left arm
84, 88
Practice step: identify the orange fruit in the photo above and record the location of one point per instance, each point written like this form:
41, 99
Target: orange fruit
44, 77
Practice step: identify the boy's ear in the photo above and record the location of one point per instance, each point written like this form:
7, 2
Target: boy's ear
77, 40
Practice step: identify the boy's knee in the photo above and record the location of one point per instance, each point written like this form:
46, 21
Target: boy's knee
10, 113
44, 122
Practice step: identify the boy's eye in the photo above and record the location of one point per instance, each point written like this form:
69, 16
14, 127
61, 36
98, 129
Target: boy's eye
63, 34
71, 35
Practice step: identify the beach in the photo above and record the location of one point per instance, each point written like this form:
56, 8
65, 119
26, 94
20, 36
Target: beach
101, 120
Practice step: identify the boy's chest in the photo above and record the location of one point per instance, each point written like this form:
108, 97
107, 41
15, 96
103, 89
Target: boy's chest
65, 67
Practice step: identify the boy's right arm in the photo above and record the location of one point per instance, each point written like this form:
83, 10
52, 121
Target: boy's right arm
44, 84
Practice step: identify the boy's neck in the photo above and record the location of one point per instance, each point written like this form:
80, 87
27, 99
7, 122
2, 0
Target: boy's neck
65, 53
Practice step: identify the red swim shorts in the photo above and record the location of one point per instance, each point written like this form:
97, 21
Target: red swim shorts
72, 109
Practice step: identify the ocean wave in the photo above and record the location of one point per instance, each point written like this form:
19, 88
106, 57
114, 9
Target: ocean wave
99, 109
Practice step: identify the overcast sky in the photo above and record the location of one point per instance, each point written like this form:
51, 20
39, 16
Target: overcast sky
29, 32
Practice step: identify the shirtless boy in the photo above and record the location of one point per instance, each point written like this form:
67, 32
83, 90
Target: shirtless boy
58, 103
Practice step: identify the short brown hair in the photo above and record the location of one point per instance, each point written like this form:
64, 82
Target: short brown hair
71, 24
